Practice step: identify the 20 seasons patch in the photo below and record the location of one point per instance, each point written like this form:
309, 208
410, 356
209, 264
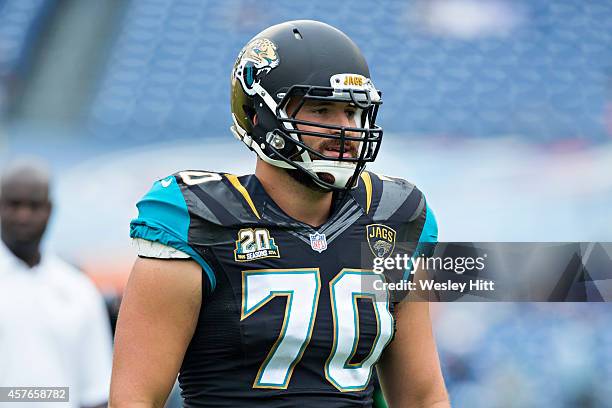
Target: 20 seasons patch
255, 244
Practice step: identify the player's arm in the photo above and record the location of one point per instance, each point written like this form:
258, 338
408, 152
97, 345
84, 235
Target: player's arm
409, 370
156, 321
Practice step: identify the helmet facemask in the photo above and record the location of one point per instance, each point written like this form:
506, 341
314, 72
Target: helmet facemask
285, 146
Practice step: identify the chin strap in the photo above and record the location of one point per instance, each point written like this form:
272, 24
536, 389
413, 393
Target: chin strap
341, 171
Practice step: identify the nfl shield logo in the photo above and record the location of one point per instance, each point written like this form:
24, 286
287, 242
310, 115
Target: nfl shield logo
318, 242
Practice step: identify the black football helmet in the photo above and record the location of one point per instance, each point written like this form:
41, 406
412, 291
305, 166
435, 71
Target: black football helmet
310, 61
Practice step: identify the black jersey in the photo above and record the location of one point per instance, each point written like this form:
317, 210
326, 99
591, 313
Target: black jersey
287, 318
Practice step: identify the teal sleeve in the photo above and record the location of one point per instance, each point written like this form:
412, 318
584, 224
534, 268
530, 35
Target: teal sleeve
163, 217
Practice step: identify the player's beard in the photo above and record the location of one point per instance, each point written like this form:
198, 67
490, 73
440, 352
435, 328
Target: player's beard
304, 179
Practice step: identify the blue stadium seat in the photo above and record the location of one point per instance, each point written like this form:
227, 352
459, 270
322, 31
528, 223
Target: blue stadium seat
543, 81
20, 22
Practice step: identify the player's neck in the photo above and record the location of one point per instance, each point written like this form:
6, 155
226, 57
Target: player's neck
295, 199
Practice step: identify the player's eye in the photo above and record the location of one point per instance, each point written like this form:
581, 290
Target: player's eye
350, 113
320, 110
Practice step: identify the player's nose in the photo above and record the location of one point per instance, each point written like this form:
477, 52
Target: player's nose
340, 118
343, 119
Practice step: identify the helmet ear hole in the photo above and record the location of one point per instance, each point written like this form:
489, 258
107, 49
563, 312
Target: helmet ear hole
250, 113
266, 119
269, 132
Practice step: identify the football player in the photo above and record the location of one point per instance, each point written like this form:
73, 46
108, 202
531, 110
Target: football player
252, 288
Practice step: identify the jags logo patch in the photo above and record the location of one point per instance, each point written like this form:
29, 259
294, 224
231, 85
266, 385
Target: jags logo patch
255, 244
256, 59
381, 240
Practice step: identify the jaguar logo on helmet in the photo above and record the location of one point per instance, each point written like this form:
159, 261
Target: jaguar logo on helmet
256, 59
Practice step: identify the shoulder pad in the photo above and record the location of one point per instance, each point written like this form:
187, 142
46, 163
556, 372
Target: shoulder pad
218, 198
389, 198
164, 217
395, 201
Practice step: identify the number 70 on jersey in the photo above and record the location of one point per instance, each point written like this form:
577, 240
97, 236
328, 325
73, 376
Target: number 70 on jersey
302, 288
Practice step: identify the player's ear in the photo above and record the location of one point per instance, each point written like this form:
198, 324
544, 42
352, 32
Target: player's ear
255, 119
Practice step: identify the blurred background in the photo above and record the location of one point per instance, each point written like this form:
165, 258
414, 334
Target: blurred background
499, 110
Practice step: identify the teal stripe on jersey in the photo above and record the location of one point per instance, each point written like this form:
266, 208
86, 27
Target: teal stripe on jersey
430, 229
163, 217
429, 235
